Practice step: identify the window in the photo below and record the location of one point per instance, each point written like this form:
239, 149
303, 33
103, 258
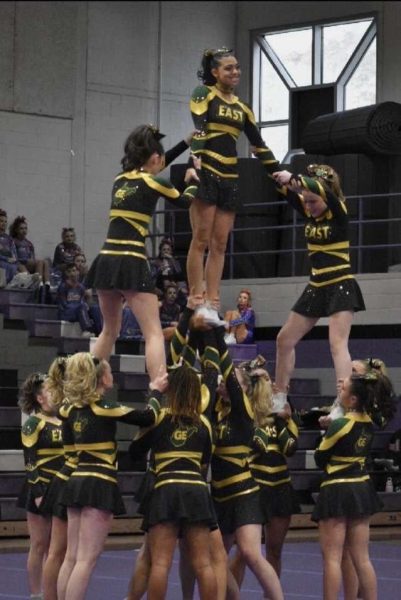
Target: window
342, 54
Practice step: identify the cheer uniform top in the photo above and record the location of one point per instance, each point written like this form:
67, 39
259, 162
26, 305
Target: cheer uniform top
180, 447
43, 455
51, 503
271, 445
94, 481
122, 262
234, 490
219, 123
346, 489
332, 287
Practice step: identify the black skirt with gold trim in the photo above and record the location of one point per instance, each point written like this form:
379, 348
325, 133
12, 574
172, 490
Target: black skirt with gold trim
239, 511
329, 299
354, 499
182, 504
119, 272
278, 501
90, 490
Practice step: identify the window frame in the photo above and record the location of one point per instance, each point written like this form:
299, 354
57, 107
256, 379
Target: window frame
259, 45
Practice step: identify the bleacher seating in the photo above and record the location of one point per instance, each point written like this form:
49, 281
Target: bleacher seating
31, 336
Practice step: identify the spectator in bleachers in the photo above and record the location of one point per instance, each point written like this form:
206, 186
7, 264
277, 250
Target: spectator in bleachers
165, 267
130, 329
169, 311
42, 444
27, 262
81, 264
8, 251
241, 321
72, 301
64, 254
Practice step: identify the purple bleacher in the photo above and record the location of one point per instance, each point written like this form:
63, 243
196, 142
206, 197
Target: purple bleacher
316, 353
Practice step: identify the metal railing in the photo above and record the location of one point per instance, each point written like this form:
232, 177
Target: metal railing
375, 235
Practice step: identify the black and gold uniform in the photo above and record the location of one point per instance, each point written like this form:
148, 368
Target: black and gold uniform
43, 455
234, 490
183, 346
122, 262
219, 123
332, 287
272, 444
346, 489
180, 448
94, 480
51, 503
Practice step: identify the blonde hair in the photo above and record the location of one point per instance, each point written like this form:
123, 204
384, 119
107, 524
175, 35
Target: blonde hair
82, 377
260, 392
55, 380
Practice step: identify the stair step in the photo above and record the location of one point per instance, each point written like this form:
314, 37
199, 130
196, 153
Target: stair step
54, 328
11, 460
132, 381
10, 438
8, 297
8, 378
30, 312
8, 396
309, 401
240, 352
10, 416
9, 511
11, 482
128, 363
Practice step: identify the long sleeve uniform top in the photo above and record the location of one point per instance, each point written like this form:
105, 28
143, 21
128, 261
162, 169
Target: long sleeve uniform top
180, 448
233, 432
268, 459
134, 198
344, 449
43, 451
93, 428
327, 237
219, 124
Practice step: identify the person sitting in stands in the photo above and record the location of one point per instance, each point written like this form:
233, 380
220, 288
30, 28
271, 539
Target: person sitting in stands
64, 254
8, 251
81, 264
165, 266
169, 311
130, 329
27, 261
72, 304
241, 322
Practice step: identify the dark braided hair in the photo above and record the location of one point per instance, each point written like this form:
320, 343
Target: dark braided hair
210, 60
140, 145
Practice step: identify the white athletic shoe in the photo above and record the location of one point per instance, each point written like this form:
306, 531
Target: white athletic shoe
229, 339
212, 318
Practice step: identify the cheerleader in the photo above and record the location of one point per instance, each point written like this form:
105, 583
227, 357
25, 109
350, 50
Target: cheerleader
332, 290
91, 494
347, 496
121, 270
180, 503
219, 117
235, 492
43, 455
51, 503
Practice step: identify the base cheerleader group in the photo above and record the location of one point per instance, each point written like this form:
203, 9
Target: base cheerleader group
217, 435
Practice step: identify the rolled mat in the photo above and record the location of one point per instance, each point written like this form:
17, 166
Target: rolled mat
374, 129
